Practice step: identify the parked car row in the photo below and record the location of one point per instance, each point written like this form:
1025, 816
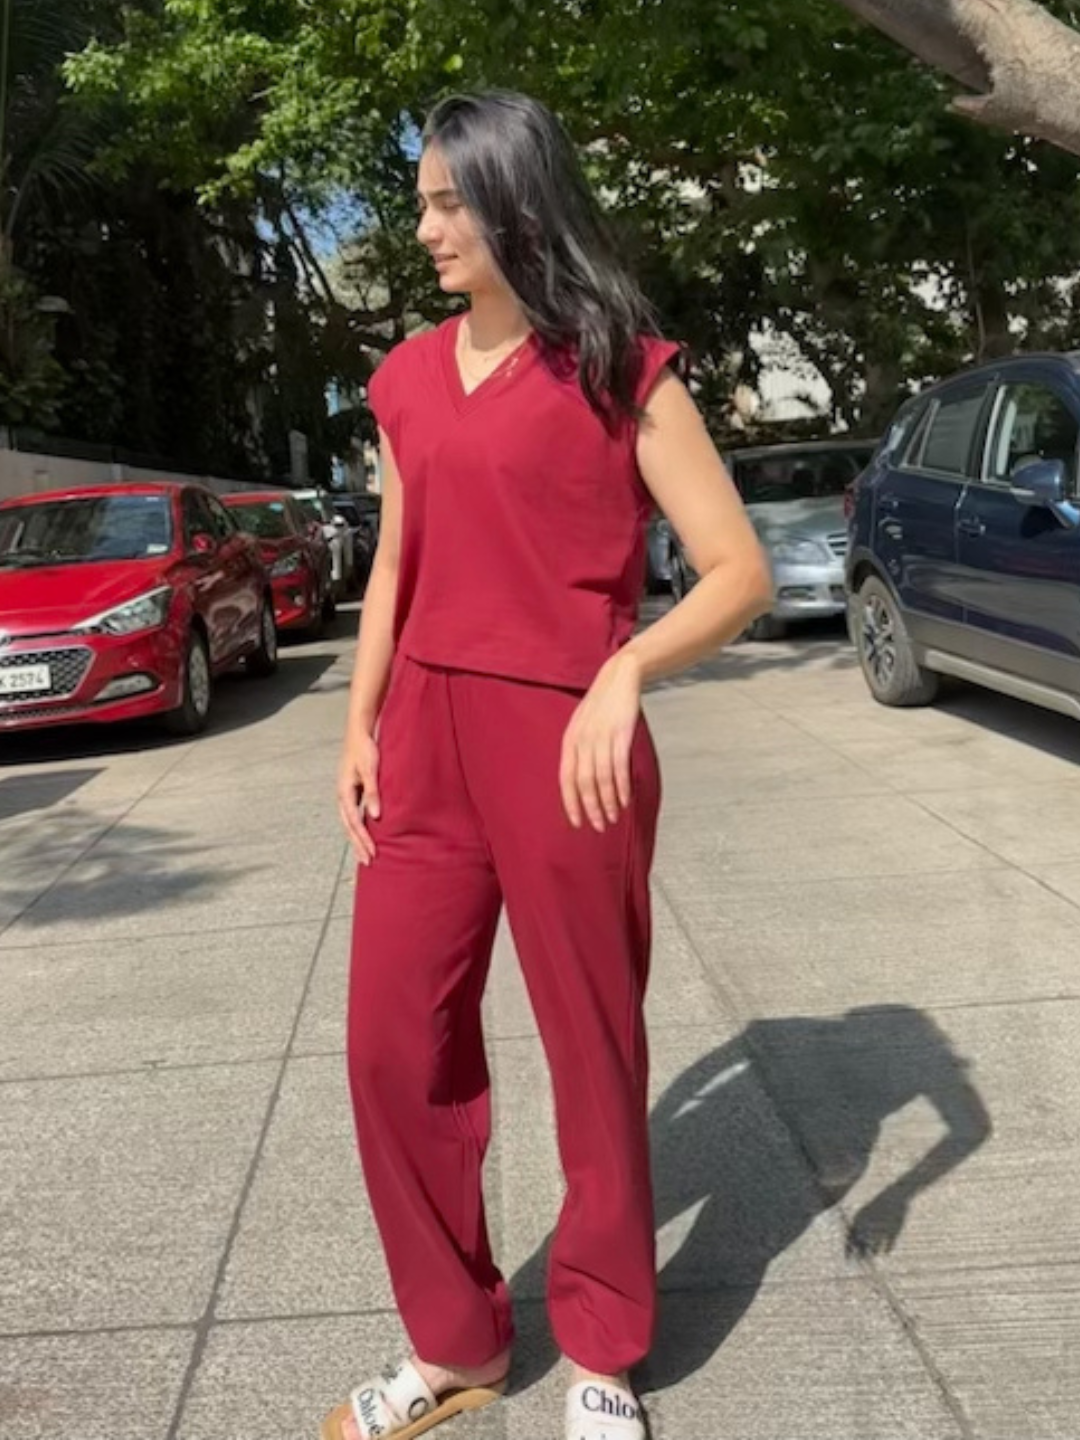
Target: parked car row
952, 545
119, 602
795, 497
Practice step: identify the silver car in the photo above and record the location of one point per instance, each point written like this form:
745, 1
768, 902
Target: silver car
794, 494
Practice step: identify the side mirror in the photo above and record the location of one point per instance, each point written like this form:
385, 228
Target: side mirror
202, 544
1043, 483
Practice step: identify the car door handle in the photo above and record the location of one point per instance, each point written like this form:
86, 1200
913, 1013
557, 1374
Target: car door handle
971, 525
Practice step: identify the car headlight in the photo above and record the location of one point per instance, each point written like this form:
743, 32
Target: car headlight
287, 565
143, 613
799, 550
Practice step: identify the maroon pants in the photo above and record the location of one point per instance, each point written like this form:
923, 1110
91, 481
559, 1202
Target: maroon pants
472, 818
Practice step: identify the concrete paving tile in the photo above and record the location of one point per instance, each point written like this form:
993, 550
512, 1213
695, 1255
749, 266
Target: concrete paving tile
275, 1380
73, 1009
345, 894
963, 759
275, 763
241, 814
1064, 879
1025, 826
38, 849
828, 1362
122, 1190
141, 877
806, 839
1006, 1343
824, 946
322, 1025
735, 1202
712, 775
973, 1136
307, 1241
91, 1387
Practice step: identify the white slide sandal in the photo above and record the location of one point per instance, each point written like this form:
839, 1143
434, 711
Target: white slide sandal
595, 1411
399, 1405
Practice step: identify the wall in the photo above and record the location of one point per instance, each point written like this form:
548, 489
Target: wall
24, 473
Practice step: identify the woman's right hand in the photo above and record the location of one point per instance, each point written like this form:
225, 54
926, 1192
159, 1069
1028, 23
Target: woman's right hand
358, 791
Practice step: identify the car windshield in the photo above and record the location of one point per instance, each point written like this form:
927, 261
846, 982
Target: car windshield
798, 475
311, 508
265, 518
85, 528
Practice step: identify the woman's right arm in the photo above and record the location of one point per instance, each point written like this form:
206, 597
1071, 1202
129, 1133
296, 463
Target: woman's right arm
358, 777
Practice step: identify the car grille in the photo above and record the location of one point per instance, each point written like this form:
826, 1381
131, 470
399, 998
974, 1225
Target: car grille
67, 667
837, 543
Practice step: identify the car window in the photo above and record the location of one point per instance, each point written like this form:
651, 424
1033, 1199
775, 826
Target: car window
902, 430
268, 519
117, 526
224, 527
799, 475
1033, 421
196, 517
946, 445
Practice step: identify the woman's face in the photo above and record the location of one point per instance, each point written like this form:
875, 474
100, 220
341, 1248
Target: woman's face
449, 233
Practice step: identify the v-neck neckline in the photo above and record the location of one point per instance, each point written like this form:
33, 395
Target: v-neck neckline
508, 371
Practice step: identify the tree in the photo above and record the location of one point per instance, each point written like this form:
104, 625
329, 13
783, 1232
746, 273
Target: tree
1023, 60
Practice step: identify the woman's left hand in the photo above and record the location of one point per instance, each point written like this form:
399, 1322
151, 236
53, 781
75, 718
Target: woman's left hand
594, 772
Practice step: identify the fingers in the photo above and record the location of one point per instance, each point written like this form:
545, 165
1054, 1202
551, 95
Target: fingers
594, 777
358, 796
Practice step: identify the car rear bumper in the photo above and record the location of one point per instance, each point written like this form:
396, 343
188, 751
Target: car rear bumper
89, 675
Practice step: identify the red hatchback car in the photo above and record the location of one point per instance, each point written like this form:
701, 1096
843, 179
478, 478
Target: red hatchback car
121, 601
299, 566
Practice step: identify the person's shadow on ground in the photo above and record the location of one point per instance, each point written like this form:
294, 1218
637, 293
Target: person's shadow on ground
737, 1188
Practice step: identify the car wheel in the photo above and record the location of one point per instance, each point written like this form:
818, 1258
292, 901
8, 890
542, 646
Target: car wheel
885, 651
264, 659
317, 624
191, 715
765, 627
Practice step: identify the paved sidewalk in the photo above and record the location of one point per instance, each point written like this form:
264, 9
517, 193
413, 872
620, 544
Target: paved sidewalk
865, 1021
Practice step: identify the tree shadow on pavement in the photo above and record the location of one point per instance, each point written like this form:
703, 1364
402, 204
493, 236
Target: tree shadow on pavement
83, 870
763, 1135
20, 794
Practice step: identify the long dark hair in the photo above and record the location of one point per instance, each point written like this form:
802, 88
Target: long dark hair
516, 169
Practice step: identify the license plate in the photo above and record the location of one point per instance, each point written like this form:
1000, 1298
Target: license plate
25, 679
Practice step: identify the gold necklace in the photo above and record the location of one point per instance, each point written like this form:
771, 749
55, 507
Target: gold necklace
466, 349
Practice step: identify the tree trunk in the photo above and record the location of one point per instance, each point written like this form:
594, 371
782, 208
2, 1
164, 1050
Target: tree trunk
1024, 62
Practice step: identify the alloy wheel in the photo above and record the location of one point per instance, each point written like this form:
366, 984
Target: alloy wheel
199, 679
879, 640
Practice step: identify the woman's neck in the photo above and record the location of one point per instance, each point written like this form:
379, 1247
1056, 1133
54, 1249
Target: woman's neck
496, 319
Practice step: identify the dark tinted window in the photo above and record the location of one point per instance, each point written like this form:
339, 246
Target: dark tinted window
220, 519
91, 527
1033, 422
798, 475
947, 443
197, 519
268, 519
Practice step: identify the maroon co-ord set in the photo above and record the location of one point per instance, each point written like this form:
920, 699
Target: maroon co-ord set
521, 564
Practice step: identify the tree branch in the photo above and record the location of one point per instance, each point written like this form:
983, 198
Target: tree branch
1023, 61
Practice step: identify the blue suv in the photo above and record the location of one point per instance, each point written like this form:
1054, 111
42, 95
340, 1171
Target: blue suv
964, 539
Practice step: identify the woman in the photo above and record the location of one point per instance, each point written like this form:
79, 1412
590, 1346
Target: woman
496, 754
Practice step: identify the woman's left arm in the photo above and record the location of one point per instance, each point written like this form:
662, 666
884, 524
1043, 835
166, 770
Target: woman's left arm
687, 479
